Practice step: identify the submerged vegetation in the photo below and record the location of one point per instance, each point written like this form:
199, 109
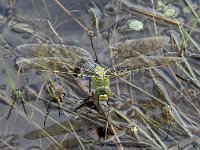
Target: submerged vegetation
121, 75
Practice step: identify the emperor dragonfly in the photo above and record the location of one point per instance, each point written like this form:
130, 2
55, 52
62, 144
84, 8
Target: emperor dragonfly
128, 55
123, 56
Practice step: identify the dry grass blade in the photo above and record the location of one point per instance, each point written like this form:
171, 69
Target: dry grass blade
192, 9
191, 75
26, 28
8, 76
63, 127
127, 6
155, 135
184, 142
139, 129
176, 116
4, 144
70, 14
8, 100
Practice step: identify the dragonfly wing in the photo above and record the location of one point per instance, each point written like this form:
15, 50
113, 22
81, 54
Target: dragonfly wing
46, 63
118, 52
147, 62
71, 143
47, 50
43, 55
63, 127
57, 128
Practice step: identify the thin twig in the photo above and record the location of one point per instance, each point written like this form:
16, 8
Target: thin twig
70, 14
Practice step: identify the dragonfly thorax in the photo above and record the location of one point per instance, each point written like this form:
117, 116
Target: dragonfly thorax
101, 84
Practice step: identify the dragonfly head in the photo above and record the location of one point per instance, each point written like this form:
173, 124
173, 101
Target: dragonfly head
167, 110
102, 93
86, 64
18, 93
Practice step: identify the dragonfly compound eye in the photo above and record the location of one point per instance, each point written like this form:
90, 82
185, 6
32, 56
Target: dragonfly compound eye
102, 93
167, 110
90, 33
103, 96
18, 93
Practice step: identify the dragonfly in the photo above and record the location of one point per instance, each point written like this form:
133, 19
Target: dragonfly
123, 56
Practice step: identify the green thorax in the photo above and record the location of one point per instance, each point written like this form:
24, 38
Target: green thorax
101, 84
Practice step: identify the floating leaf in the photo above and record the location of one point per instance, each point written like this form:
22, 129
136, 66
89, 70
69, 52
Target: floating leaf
160, 5
170, 12
187, 10
135, 25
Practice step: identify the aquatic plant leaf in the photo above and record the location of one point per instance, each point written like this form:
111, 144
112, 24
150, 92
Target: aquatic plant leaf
135, 25
117, 53
147, 62
170, 12
21, 27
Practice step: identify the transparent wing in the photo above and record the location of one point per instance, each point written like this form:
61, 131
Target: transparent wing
117, 53
53, 56
55, 129
47, 63
71, 143
146, 62
54, 50
59, 128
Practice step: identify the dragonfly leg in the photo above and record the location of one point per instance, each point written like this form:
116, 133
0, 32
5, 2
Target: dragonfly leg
87, 102
188, 81
111, 100
59, 110
169, 119
91, 34
168, 126
95, 53
90, 81
47, 112
11, 108
84, 102
22, 101
182, 78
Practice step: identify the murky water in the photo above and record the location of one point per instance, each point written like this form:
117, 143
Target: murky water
142, 95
